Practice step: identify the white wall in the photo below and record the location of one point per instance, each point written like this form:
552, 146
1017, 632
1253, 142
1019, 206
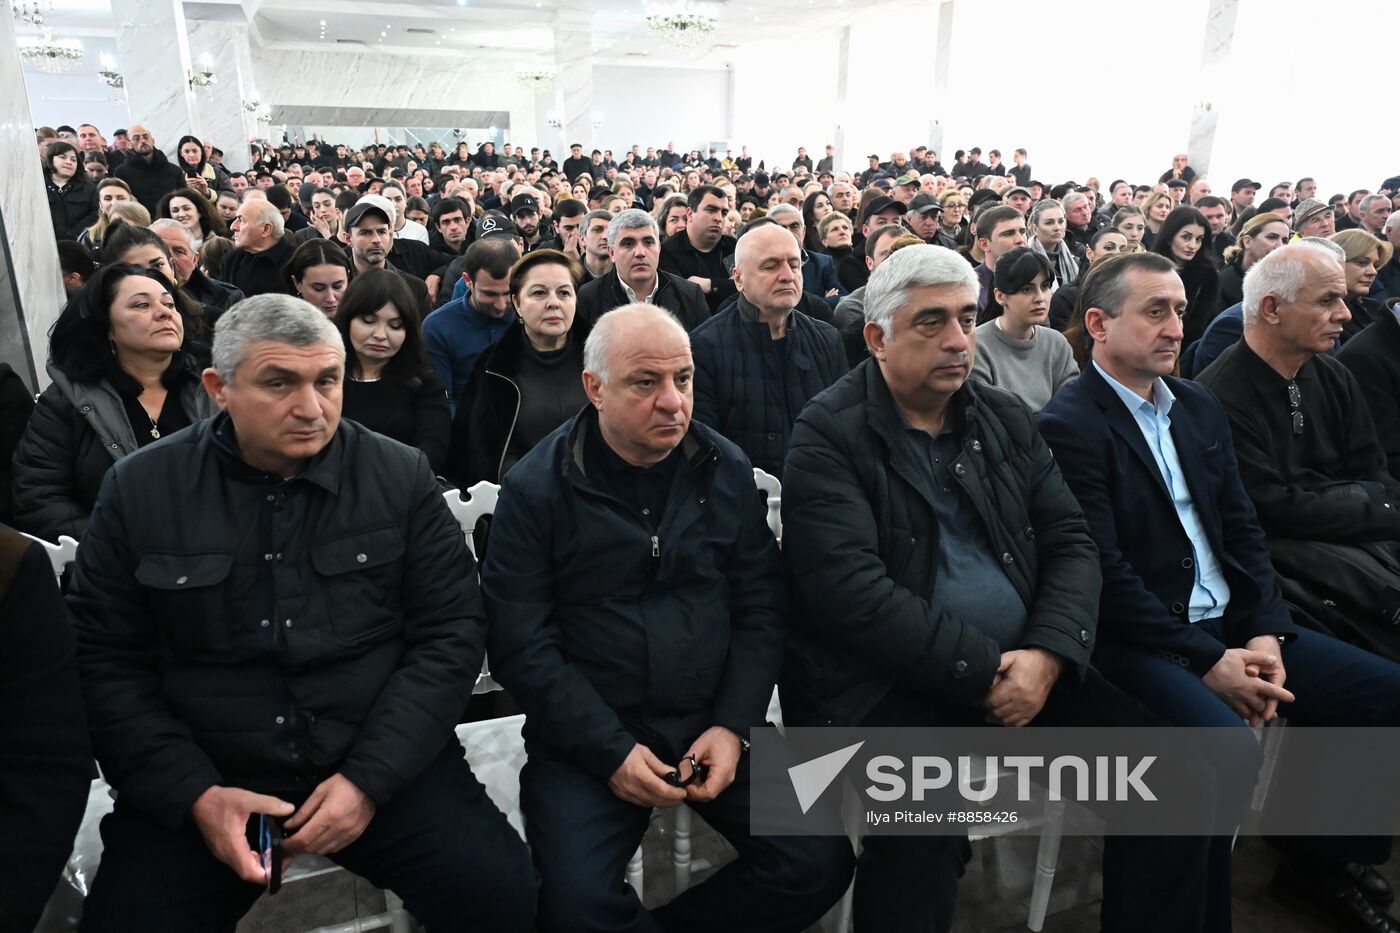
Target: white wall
653, 106
778, 105
77, 97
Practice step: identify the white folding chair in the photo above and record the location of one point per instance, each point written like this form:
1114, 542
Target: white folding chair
60, 555
480, 502
772, 489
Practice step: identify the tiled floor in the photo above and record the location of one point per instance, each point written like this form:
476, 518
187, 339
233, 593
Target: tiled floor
994, 892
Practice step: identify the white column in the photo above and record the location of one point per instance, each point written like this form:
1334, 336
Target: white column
225, 121
942, 65
32, 271
573, 84
843, 68
1215, 55
154, 52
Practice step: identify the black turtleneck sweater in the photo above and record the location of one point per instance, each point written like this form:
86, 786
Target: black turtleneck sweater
551, 392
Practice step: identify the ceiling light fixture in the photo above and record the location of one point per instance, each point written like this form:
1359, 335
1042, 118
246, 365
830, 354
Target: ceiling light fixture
538, 80
34, 13
681, 29
49, 55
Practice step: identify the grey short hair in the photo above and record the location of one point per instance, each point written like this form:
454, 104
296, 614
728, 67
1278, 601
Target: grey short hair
777, 209
1282, 273
908, 268
595, 350
1071, 199
1370, 200
264, 212
631, 219
279, 318
165, 223
1392, 221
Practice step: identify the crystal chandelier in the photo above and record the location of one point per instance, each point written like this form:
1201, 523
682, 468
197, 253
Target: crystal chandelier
49, 55
681, 30
32, 13
109, 74
538, 80
205, 78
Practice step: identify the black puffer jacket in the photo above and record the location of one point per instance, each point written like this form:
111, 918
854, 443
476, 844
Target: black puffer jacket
242, 629
76, 433
149, 182
72, 207
860, 537
739, 390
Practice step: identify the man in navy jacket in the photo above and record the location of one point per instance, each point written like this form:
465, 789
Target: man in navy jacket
636, 599
1192, 622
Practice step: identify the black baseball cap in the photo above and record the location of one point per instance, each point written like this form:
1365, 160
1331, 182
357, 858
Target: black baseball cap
1245, 183
884, 203
363, 207
524, 202
925, 203
495, 224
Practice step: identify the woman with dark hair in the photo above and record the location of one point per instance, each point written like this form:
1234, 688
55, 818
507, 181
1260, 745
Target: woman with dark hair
194, 212
527, 383
189, 155
1015, 351
140, 246
72, 198
1185, 239
121, 380
319, 272
671, 215
390, 387
814, 207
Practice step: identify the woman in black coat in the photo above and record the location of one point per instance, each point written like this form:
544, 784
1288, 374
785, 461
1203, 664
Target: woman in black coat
1185, 239
72, 198
527, 383
390, 387
121, 381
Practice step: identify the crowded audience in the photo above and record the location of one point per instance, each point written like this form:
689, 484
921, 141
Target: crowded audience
1051, 453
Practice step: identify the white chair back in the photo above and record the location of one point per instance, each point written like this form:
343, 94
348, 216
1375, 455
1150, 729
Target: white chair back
773, 491
481, 500
60, 555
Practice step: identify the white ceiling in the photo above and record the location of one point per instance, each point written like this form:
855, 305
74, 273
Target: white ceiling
509, 33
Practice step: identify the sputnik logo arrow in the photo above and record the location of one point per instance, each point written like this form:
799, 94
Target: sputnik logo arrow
811, 778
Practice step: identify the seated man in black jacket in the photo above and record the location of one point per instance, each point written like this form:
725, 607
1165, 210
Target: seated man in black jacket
946, 575
1193, 623
636, 602
1373, 356
1308, 451
277, 619
255, 265
698, 252
759, 362
634, 245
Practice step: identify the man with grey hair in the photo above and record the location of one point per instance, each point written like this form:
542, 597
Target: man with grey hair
1193, 623
634, 253
1080, 224
843, 198
628, 514
216, 297
1308, 449
818, 269
759, 361
278, 627
967, 586
254, 266
1373, 211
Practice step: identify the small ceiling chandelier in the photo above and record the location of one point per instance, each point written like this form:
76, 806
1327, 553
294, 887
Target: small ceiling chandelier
538, 80
49, 55
109, 74
681, 29
32, 13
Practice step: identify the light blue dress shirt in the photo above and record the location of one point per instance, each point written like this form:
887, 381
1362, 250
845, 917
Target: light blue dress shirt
1210, 594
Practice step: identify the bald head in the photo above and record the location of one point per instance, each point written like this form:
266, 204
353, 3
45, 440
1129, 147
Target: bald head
142, 143
768, 269
637, 371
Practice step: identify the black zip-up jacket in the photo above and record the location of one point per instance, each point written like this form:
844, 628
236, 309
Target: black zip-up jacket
681, 259
685, 300
242, 629
258, 273
860, 537
151, 181
610, 633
